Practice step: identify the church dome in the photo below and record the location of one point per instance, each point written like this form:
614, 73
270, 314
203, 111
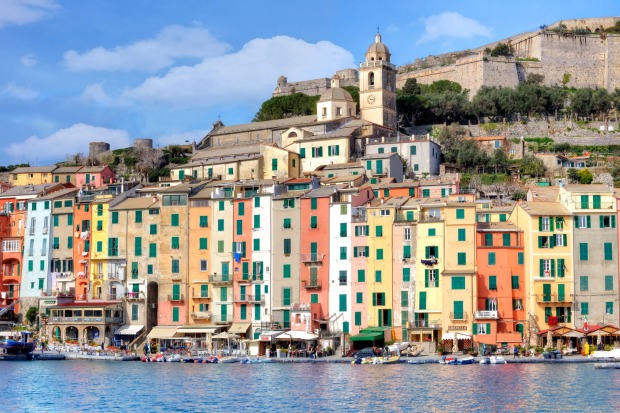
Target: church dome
378, 51
335, 93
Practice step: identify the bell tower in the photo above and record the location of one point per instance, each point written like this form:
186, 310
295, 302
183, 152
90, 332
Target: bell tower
378, 86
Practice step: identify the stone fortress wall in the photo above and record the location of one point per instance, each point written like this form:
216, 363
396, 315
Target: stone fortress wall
590, 60
348, 77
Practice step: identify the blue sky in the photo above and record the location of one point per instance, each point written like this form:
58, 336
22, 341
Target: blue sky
77, 71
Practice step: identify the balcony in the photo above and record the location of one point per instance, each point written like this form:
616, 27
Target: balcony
199, 296
553, 298
176, 276
434, 324
133, 296
176, 298
115, 276
311, 284
431, 217
313, 258
358, 218
222, 318
71, 320
201, 315
459, 316
220, 279
243, 278
376, 63
486, 315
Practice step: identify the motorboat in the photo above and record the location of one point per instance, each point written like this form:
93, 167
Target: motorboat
174, 358
612, 354
493, 360
229, 360
397, 348
257, 360
377, 360
457, 361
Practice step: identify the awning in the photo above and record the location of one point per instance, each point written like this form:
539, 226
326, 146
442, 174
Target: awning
162, 332
269, 335
196, 330
128, 330
367, 337
297, 335
459, 336
239, 328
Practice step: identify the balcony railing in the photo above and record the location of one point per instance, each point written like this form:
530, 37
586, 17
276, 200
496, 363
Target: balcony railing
114, 276
243, 278
486, 314
426, 324
458, 316
222, 319
176, 297
358, 218
310, 284
109, 320
133, 295
221, 278
199, 295
431, 217
203, 315
312, 258
377, 63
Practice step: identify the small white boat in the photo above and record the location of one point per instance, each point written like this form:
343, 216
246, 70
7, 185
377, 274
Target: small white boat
493, 360
229, 360
397, 348
612, 354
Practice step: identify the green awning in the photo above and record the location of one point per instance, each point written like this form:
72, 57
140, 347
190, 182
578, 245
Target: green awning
367, 337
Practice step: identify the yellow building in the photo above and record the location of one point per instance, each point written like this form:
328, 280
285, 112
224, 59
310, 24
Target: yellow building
459, 275
259, 161
548, 254
381, 216
105, 253
200, 223
32, 175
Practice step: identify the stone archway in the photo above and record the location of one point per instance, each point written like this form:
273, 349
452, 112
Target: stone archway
72, 334
91, 334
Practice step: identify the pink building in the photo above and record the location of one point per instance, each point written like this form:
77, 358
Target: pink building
95, 176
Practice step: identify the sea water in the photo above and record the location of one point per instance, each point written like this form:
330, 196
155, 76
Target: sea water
97, 386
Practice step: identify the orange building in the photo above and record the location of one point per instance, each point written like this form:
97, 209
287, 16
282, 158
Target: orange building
500, 317
81, 251
314, 249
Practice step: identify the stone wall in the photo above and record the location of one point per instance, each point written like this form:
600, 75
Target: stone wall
590, 60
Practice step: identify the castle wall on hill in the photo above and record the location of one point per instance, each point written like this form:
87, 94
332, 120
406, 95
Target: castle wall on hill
591, 61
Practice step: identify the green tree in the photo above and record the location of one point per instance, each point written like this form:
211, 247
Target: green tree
31, 315
411, 87
534, 79
532, 166
585, 176
502, 49
280, 107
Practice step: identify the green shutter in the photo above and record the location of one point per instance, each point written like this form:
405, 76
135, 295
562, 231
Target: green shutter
138, 246
561, 267
506, 240
608, 251
492, 282
422, 300
426, 278
174, 220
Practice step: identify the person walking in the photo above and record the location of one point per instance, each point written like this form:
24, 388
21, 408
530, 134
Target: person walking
515, 352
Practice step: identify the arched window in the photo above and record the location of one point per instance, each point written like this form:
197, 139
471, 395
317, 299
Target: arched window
71, 333
56, 333
371, 79
292, 135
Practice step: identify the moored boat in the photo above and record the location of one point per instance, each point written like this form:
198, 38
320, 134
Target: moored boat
16, 345
493, 360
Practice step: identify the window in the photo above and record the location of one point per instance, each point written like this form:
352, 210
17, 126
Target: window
609, 307
286, 271
287, 246
203, 244
342, 277
314, 298
432, 251
462, 234
174, 220
313, 203
406, 251
152, 250
406, 274
493, 282
609, 283
583, 283
361, 276
491, 258
239, 227
460, 213
544, 223
458, 313
204, 265
517, 304
274, 164
241, 209
584, 308
220, 225
175, 266
384, 212
607, 221
256, 244
608, 250
583, 221
289, 203
378, 276
256, 221
559, 240
220, 246
138, 217
175, 314
520, 258
287, 223
433, 232
378, 299
461, 258
359, 298
546, 268
458, 283
506, 240
314, 221
583, 251
362, 230
137, 246
379, 231
343, 229
343, 253
379, 254
502, 218
407, 233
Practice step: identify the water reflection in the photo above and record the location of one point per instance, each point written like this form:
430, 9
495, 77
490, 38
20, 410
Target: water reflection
78, 386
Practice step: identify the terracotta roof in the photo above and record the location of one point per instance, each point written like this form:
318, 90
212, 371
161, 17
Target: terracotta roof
594, 188
33, 169
544, 193
269, 124
143, 202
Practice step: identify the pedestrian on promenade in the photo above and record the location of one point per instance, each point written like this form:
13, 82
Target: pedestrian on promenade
515, 352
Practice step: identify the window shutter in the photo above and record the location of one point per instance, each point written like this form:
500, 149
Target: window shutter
565, 239
551, 223
474, 328
374, 299
542, 268
540, 242
437, 279
613, 221
561, 267
552, 241
540, 223
589, 222
601, 220
552, 268
425, 278
488, 328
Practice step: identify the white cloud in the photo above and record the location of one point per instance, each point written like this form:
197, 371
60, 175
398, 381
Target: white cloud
452, 24
18, 92
68, 141
181, 137
29, 60
95, 93
173, 42
246, 76
20, 12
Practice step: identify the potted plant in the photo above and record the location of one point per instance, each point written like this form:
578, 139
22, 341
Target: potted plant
329, 351
440, 349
